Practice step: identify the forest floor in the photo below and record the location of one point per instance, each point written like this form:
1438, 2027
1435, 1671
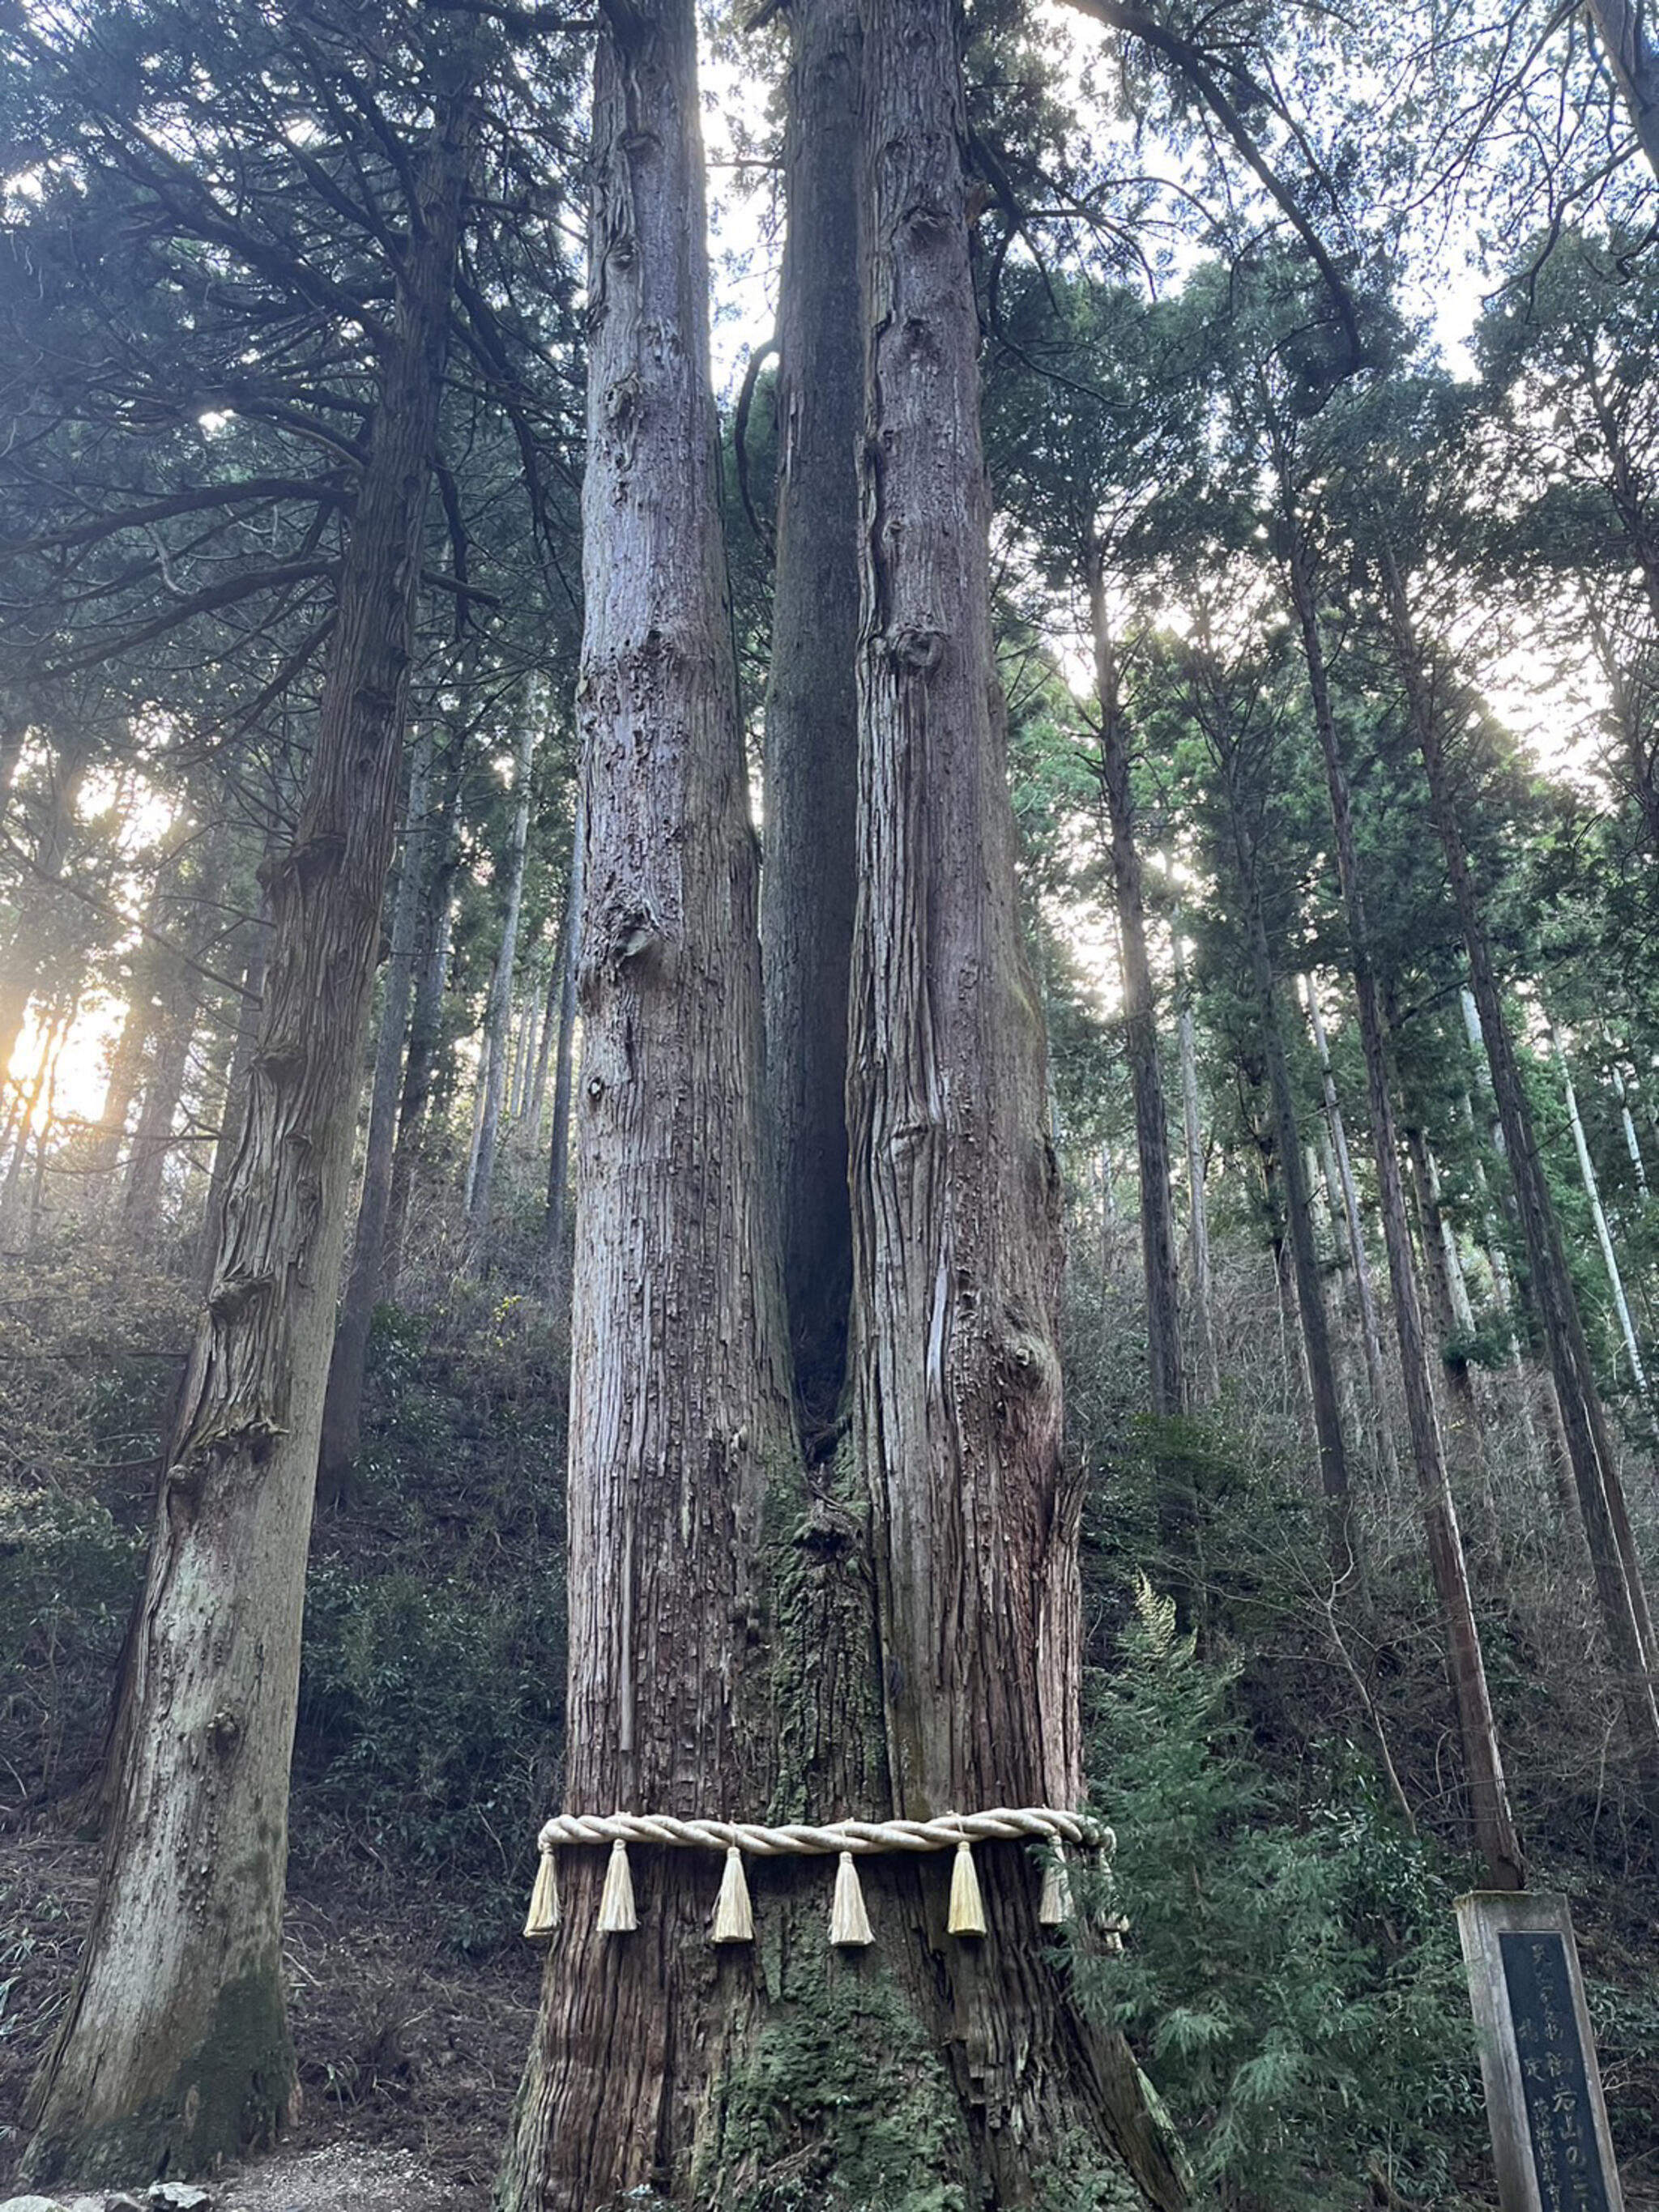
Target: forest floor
408, 2054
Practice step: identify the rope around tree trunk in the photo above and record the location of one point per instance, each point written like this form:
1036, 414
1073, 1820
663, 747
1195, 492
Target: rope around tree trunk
1002, 1823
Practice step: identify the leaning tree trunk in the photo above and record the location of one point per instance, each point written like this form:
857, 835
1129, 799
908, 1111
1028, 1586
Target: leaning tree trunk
175, 2050
1158, 1238
812, 704
680, 1412
1495, 1833
1614, 1558
1603, 1233
347, 1366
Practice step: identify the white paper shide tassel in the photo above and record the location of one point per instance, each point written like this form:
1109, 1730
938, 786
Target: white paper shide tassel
967, 1916
616, 1916
734, 1920
1055, 1909
849, 1924
543, 1915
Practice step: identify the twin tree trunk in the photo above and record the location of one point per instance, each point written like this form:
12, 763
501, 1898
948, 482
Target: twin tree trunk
175, 2049
906, 1637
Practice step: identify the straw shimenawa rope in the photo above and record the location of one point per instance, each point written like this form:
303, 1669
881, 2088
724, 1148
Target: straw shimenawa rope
843, 1839
1003, 1823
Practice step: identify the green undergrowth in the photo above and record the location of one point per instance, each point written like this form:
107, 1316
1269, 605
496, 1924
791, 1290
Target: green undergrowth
432, 1693
1292, 1976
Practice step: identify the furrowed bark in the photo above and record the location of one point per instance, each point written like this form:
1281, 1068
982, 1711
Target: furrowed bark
680, 1409
956, 1377
175, 2049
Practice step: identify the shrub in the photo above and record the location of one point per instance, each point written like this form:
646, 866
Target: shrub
1293, 1979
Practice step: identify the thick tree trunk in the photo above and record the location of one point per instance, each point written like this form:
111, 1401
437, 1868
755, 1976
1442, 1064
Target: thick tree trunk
1495, 1834
1613, 1557
1635, 64
174, 2050
498, 1021
347, 1367
1157, 1240
680, 1415
811, 703
955, 1374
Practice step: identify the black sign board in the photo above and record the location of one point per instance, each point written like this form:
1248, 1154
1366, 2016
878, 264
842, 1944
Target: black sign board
1554, 2081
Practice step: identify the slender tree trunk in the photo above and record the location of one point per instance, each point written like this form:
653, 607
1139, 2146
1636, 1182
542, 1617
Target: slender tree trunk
1304, 1257
558, 1158
1613, 1557
126, 1072
680, 1412
1371, 1329
1495, 1834
1158, 1241
535, 1099
27, 949
173, 2048
1202, 1289
1603, 1234
498, 1019
426, 1022
524, 1053
164, 1086
811, 703
234, 1111
1627, 1122
343, 1403
1631, 55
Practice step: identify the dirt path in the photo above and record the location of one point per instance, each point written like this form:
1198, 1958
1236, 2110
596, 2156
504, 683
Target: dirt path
409, 2056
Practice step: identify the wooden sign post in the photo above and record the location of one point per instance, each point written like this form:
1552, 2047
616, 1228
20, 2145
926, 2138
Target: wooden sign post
1550, 2139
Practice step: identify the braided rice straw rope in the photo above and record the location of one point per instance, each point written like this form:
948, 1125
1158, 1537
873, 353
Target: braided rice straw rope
1003, 1822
